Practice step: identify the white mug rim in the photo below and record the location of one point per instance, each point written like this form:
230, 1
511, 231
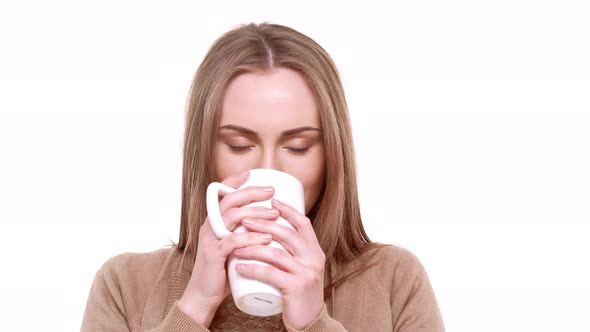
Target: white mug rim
272, 170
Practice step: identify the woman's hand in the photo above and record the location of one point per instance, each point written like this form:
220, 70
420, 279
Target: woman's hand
208, 284
297, 272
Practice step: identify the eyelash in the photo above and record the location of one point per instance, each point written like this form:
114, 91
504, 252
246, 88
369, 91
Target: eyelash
240, 149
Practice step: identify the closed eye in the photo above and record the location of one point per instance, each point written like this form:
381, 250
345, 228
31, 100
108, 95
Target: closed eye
239, 148
298, 151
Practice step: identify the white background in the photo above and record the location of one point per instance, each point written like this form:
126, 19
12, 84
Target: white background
471, 122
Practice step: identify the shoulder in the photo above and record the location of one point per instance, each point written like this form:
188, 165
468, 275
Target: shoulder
393, 279
386, 266
123, 284
132, 263
390, 253
130, 274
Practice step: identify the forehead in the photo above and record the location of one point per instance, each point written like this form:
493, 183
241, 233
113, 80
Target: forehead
269, 102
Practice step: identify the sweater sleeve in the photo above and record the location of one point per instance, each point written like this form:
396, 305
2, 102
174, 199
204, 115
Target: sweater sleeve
106, 309
178, 321
324, 323
413, 303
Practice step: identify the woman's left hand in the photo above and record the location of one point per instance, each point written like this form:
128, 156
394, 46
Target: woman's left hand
297, 272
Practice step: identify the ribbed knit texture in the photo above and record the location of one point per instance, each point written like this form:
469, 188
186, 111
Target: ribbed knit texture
178, 321
321, 324
139, 292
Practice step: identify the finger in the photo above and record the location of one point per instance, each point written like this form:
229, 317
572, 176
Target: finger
206, 234
271, 255
245, 196
286, 236
236, 180
235, 215
267, 274
239, 240
294, 217
205, 230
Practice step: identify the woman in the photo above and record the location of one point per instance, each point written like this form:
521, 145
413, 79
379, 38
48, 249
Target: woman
267, 96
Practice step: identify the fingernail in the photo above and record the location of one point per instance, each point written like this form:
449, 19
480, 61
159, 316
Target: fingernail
239, 267
248, 221
268, 189
272, 212
239, 250
266, 236
276, 202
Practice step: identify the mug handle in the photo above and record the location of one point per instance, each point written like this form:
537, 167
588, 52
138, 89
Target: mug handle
215, 219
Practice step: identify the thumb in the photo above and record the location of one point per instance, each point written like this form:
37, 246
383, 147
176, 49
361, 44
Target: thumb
236, 180
227, 289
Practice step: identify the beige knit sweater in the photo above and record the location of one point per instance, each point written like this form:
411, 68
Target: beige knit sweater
139, 292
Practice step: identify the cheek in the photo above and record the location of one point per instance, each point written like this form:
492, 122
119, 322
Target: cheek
226, 163
311, 195
313, 179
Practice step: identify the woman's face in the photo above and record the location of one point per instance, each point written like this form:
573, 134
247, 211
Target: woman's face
271, 120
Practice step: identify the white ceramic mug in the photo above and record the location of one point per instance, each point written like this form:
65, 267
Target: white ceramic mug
252, 296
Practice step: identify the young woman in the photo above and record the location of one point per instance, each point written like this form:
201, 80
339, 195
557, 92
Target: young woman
267, 96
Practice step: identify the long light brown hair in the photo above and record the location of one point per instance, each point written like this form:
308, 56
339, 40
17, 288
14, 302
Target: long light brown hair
259, 48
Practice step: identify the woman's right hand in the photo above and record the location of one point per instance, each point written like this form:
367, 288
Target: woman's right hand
208, 284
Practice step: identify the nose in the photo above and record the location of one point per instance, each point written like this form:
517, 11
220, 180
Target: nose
269, 160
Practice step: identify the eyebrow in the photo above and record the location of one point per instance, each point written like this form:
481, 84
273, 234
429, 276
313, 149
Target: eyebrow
284, 134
